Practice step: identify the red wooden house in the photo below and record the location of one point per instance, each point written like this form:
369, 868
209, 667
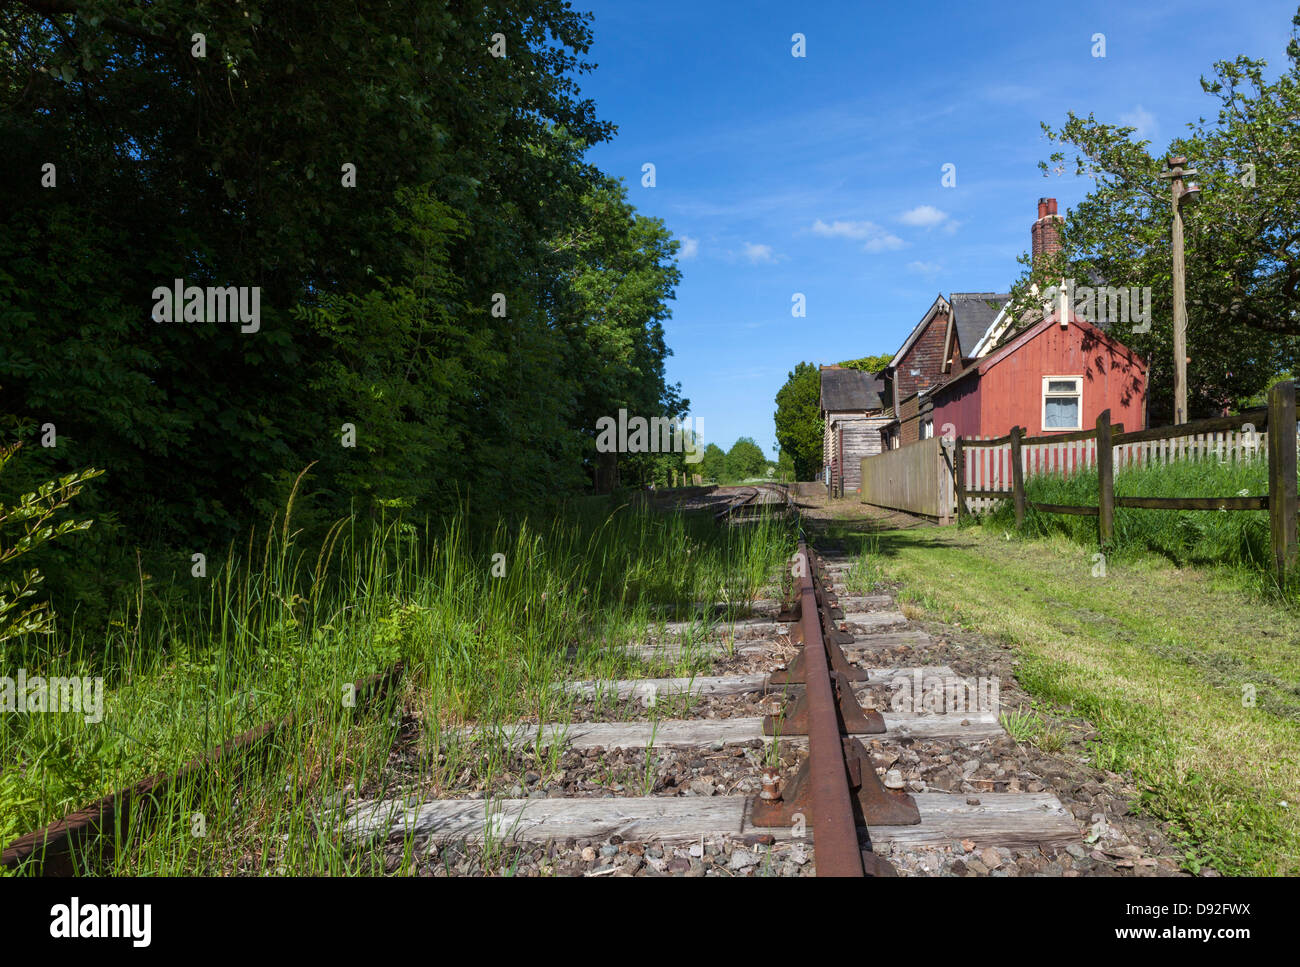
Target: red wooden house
1047, 378
1052, 376
970, 365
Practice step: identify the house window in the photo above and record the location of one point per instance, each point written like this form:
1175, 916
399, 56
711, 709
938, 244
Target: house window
927, 429
1062, 402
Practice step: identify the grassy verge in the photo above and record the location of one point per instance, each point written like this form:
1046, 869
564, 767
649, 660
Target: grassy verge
1235, 539
485, 624
1165, 662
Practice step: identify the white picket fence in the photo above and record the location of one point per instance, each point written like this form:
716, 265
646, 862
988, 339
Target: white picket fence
989, 467
1227, 447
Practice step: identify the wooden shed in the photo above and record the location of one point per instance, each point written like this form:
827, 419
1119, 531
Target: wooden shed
852, 416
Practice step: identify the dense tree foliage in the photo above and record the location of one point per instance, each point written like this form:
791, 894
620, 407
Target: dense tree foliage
450, 295
745, 459
1242, 240
798, 420
869, 364
714, 464
785, 467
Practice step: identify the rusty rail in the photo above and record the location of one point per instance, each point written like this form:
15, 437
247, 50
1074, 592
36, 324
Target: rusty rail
835, 846
90, 833
836, 789
744, 500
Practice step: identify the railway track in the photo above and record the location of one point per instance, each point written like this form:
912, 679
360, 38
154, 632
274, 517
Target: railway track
756, 499
87, 838
782, 764
837, 775
787, 760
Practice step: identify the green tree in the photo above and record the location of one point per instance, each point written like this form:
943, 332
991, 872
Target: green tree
745, 459
714, 465
798, 420
621, 274
1242, 241
449, 292
785, 467
229, 170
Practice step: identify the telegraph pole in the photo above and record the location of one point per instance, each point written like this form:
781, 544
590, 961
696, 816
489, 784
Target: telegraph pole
1176, 173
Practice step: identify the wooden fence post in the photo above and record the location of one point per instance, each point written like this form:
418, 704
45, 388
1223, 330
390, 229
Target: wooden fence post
1105, 481
947, 480
1282, 477
959, 472
1017, 476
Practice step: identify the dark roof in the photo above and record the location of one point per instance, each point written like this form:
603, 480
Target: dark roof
973, 313
850, 389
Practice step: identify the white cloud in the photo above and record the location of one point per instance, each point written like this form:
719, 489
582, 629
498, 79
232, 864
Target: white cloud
877, 238
923, 216
759, 253
884, 243
838, 229
690, 248
924, 268
1142, 119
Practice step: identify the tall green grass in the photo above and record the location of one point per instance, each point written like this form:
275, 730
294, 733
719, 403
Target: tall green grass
281, 629
1234, 539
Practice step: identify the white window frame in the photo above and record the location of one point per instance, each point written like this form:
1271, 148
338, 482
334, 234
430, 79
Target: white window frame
1077, 394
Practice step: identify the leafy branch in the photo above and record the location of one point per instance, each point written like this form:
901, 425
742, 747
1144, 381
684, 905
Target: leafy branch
35, 513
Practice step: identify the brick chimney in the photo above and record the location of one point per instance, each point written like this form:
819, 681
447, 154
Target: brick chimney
1046, 232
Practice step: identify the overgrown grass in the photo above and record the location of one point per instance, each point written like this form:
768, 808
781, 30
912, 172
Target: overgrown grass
1027, 726
1234, 539
485, 624
865, 575
1189, 678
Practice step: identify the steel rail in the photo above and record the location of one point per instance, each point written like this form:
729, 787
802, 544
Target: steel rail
743, 500
89, 835
835, 845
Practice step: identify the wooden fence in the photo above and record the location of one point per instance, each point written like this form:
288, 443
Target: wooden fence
915, 478
943, 479
988, 476
987, 471
987, 464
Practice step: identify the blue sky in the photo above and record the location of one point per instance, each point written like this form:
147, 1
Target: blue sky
822, 174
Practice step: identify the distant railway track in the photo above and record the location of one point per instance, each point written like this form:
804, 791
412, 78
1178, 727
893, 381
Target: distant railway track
756, 498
